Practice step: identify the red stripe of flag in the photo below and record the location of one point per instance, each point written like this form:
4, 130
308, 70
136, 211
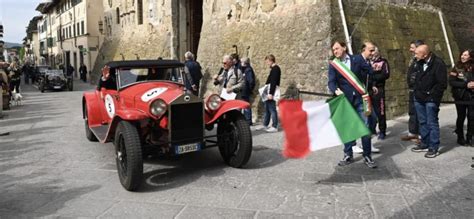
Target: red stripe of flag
354, 84
294, 122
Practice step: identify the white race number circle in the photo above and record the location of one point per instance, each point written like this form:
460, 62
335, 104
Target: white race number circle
110, 106
147, 96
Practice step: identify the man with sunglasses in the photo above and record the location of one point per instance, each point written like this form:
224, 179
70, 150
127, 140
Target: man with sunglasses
230, 78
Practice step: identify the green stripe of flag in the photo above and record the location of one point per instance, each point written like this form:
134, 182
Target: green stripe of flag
347, 121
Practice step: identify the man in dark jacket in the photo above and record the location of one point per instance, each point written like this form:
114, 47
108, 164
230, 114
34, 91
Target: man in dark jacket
359, 65
249, 76
381, 74
83, 72
192, 70
273, 80
413, 129
430, 83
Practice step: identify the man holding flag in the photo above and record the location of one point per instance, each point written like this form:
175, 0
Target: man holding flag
351, 76
315, 125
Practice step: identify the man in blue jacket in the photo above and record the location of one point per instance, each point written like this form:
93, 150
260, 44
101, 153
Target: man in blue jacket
360, 66
193, 73
249, 76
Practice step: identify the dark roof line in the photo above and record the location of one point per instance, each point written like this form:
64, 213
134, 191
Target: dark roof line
145, 63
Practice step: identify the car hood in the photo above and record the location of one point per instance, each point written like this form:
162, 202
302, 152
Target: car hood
143, 93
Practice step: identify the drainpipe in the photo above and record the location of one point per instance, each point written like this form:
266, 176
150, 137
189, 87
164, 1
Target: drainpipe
344, 24
446, 37
175, 29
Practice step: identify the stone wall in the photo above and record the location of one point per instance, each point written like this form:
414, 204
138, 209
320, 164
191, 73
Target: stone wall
129, 40
459, 14
296, 32
392, 27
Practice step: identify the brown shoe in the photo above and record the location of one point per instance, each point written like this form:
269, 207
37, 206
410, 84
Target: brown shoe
417, 141
409, 137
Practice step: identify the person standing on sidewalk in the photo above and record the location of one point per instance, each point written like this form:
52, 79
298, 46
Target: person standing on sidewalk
193, 69
230, 78
338, 84
83, 72
249, 77
430, 83
15, 77
413, 129
381, 74
273, 80
460, 77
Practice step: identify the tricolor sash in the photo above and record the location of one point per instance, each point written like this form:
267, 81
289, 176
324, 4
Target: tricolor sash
355, 82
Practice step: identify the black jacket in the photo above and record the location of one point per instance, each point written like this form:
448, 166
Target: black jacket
380, 76
274, 79
412, 72
109, 84
459, 83
431, 83
249, 81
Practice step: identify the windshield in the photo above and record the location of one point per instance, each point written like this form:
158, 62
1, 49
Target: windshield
43, 68
129, 76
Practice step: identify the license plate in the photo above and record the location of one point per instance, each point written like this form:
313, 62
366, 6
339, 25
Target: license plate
182, 149
57, 87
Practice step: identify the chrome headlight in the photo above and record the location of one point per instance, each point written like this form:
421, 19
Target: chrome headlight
50, 77
213, 102
158, 108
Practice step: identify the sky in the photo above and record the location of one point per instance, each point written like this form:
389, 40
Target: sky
15, 16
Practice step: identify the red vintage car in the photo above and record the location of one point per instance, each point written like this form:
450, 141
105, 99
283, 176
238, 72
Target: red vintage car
149, 111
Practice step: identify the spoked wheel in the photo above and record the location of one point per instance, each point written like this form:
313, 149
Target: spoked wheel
234, 139
129, 156
89, 135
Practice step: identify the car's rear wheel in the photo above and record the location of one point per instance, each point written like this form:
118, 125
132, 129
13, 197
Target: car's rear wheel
128, 155
234, 139
89, 135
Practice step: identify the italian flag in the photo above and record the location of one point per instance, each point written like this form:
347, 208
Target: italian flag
315, 125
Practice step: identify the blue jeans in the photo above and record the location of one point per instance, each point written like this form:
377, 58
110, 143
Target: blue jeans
270, 110
366, 140
248, 112
427, 113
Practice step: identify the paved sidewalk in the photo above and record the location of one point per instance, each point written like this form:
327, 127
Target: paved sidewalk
49, 169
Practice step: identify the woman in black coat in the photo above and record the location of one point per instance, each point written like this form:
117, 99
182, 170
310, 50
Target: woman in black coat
461, 79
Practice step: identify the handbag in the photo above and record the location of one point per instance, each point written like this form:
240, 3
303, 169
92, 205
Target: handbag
263, 91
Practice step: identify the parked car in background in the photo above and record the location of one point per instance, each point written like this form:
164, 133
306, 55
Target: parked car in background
149, 111
55, 80
38, 73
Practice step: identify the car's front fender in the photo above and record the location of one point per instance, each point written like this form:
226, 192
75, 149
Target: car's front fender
91, 102
225, 107
131, 115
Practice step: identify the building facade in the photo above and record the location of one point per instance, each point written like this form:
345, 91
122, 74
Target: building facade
299, 33
72, 35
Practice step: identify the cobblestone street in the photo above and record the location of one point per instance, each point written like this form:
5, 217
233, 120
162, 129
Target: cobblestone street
49, 169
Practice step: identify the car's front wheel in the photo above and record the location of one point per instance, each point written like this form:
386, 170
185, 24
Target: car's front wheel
234, 139
128, 155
